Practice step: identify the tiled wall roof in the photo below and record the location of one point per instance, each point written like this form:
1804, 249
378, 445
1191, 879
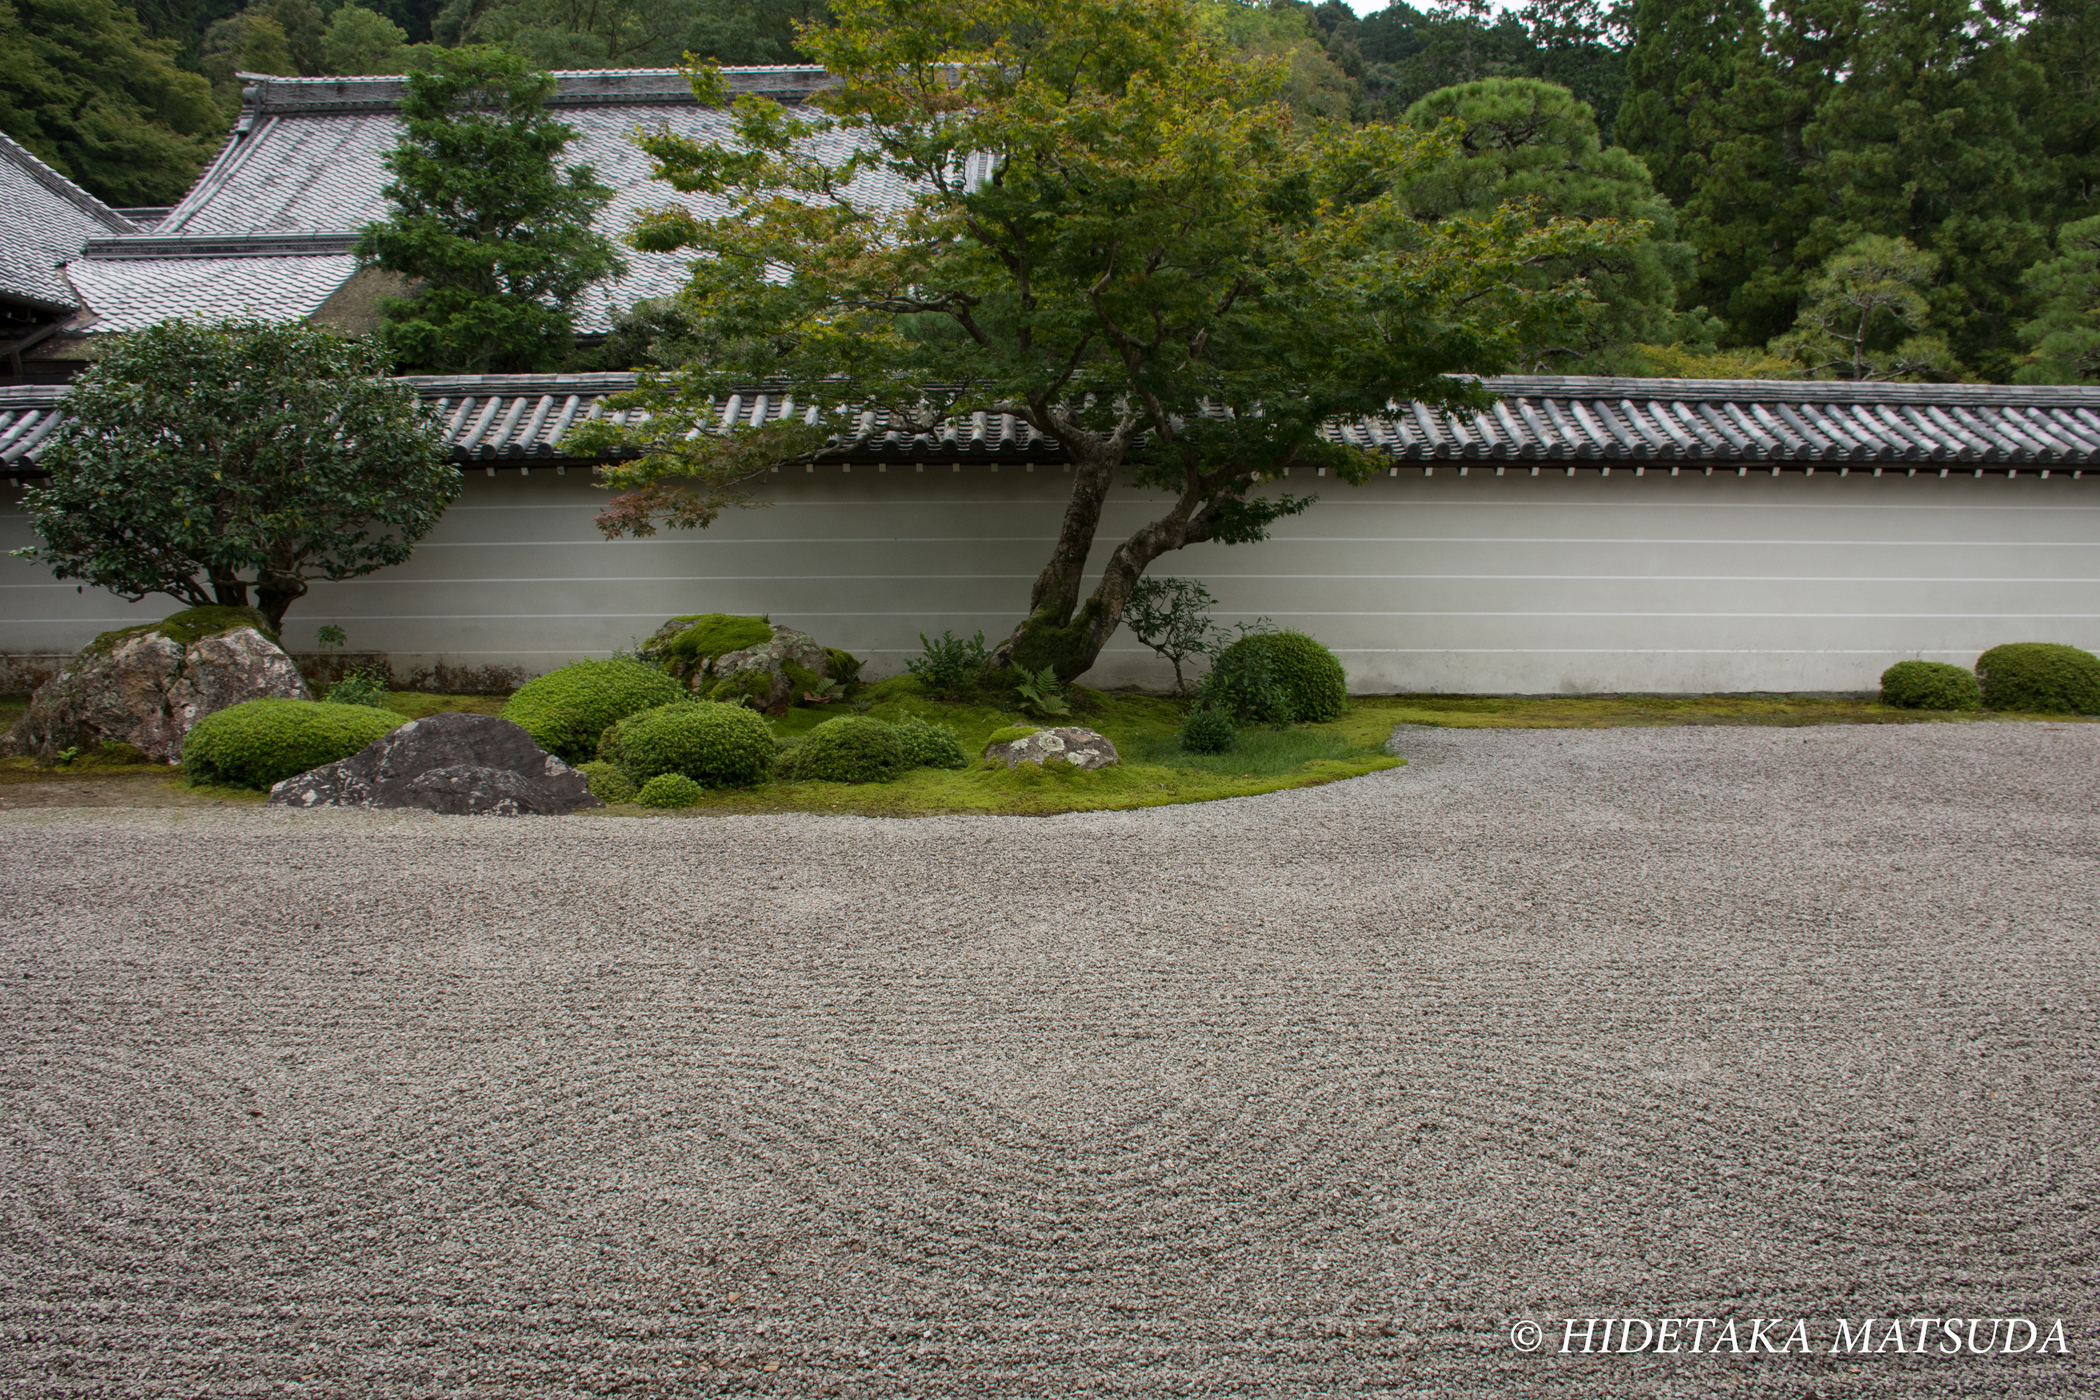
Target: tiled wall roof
1538, 421
44, 219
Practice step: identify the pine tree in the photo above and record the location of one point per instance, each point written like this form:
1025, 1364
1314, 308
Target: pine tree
497, 237
2065, 333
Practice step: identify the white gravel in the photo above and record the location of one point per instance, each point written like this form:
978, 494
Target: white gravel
1303, 1095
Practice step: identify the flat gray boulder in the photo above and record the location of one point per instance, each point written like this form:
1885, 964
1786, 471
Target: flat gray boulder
1082, 748
461, 765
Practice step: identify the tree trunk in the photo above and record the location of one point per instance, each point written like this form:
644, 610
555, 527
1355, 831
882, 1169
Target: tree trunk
276, 592
229, 590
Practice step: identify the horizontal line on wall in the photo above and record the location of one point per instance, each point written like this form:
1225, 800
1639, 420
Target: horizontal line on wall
1277, 539
1011, 612
578, 580
1456, 502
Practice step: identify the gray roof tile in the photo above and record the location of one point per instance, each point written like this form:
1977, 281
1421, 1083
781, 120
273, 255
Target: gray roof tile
44, 219
128, 294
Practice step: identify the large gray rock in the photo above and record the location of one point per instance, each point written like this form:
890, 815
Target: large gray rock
1082, 748
148, 690
759, 673
462, 765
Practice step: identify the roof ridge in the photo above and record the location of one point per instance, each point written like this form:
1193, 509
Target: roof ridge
35, 167
268, 93
1789, 390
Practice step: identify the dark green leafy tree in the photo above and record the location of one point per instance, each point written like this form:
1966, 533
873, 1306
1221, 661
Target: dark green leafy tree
631, 33
1534, 143
1682, 58
2060, 45
2065, 336
83, 87
1864, 316
359, 40
1119, 233
215, 463
493, 233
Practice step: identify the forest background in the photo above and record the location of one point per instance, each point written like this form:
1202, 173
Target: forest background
1869, 189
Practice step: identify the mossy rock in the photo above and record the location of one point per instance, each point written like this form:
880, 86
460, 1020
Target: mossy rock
844, 666
567, 711
714, 745
706, 636
2040, 678
260, 743
1011, 733
188, 626
1930, 685
848, 749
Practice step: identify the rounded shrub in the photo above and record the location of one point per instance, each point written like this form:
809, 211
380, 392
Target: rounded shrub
670, 790
1312, 681
607, 782
1929, 685
1243, 684
2040, 678
929, 745
568, 711
1208, 731
849, 749
714, 745
260, 743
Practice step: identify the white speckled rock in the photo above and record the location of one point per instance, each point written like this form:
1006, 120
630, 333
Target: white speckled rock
461, 765
1082, 748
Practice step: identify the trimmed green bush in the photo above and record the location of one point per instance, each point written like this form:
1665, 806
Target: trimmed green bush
1313, 683
1208, 731
568, 711
929, 745
670, 790
608, 783
260, 743
715, 745
849, 749
2040, 678
1929, 685
715, 634
1242, 682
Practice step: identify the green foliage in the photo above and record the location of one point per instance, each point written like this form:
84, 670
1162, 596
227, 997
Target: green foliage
716, 634
1313, 681
85, 89
950, 665
2065, 335
1679, 361
495, 235
929, 745
204, 461
844, 665
1208, 731
1929, 685
1682, 60
359, 41
1862, 316
187, 626
2040, 678
752, 688
670, 790
330, 635
631, 33
567, 711
1527, 141
1171, 616
260, 743
365, 686
608, 781
848, 749
1167, 271
1243, 683
713, 744
1039, 691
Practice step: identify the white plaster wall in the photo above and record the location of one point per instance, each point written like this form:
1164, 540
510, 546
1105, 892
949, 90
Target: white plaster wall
1438, 582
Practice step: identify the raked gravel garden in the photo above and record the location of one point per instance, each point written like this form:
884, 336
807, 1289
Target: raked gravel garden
1311, 1093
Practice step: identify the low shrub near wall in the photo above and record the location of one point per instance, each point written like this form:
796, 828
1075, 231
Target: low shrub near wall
1930, 685
260, 743
715, 745
568, 711
2040, 678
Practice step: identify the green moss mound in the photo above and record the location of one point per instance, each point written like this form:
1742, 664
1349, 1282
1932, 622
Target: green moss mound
2040, 678
671, 790
1929, 685
843, 665
189, 625
714, 634
929, 745
260, 743
1314, 685
607, 782
714, 745
849, 749
568, 711
1011, 733
1208, 731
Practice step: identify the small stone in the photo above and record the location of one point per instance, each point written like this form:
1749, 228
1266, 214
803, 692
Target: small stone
1082, 748
461, 765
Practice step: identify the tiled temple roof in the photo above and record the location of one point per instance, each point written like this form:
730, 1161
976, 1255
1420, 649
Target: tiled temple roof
1538, 421
44, 220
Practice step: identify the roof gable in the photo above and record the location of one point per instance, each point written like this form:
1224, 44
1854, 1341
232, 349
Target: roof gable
44, 220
